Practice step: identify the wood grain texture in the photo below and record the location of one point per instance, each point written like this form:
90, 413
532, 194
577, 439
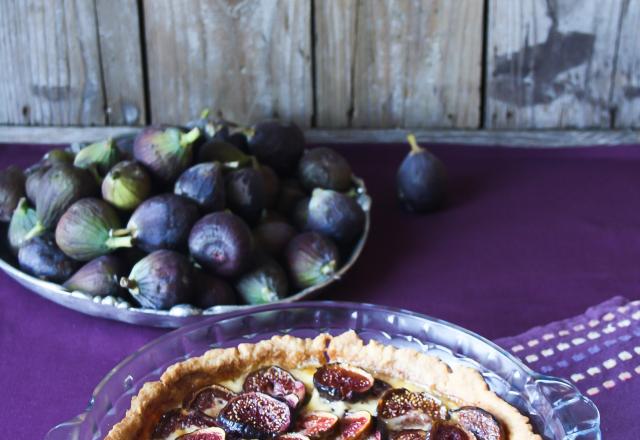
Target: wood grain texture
398, 63
50, 71
506, 138
248, 60
121, 61
553, 63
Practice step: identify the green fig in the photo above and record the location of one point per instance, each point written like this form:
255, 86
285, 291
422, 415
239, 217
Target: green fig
22, 221
40, 257
335, 215
12, 182
88, 229
312, 259
204, 184
100, 156
165, 152
265, 283
99, 277
126, 185
59, 187
58, 157
277, 145
421, 180
160, 280
220, 151
324, 168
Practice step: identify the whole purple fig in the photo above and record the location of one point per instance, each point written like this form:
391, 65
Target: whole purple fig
99, 277
11, 191
203, 184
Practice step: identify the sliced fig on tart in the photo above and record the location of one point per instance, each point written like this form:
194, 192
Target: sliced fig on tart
213, 433
255, 415
378, 389
211, 400
355, 426
400, 409
317, 424
449, 431
277, 382
410, 434
479, 422
179, 421
337, 381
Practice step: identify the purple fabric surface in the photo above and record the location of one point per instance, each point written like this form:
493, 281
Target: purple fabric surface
529, 237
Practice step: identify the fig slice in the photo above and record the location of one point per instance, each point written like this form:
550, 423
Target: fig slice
479, 422
255, 415
409, 434
355, 426
449, 431
211, 400
212, 433
316, 424
338, 381
179, 420
278, 383
402, 409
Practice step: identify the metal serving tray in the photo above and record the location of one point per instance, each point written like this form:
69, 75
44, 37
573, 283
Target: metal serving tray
555, 407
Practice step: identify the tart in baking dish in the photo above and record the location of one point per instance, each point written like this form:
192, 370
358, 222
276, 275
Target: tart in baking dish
322, 388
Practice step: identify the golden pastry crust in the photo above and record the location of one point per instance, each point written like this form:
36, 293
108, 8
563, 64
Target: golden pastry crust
457, 383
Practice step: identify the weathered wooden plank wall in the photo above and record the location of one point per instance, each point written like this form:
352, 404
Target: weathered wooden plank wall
505, 64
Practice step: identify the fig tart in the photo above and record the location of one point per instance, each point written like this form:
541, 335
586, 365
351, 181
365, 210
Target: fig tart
328, 387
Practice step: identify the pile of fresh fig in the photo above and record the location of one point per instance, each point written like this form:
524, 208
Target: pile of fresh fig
208, 214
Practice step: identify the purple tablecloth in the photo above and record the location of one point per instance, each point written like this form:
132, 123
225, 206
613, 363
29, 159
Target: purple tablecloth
530, 236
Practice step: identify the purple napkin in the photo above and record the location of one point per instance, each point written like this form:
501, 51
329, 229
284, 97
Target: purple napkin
599, 351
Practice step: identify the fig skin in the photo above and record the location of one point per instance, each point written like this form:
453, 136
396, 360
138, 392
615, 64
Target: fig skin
311, 259
355, 426
59, 188
335, 215
99, 277
211, 291
212, 433
291, 192
58, 157
126, 185
204, 185
41, 257
12, 189
277, 145
160, 280
324, 168
166, 153
101, 156
32, 183
22, 221
162, 222
179, 419
217, 150
264, 284
300, 214
273, 237
448, 431
271, 186
86, 230
479, 422
278, 383
317, 424
210, 400
222, 243
421, 180
255, 415
342, 382
246, 194
401, 409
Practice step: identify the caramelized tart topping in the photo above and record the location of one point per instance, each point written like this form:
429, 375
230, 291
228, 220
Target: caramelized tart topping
479, 422
204, 434
342, 382
277, 383
317, 424
255, 415
211, 400
179, 419
355, 426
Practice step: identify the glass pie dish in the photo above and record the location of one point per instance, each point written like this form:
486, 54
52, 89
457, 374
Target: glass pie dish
556, 408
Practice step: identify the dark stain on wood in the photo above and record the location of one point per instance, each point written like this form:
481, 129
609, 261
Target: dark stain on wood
52, 93
631, 92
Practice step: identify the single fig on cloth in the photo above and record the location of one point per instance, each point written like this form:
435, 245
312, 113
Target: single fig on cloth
100, 156
88, 229
162, 222
99, 277
40, 257
264, 284
22, 221
324, 168
165, 152
222, 243
246, 194
255, 415
311, 259
211, 291
338, 381
421, 180
160, 280
12, 189
204, 185
126, 185
277, 145
276, 382
335, 215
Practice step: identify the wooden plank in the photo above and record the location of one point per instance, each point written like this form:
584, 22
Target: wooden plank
626, 87
50, 72
507, 138
248, 60
121, 59
398, 63
550, 63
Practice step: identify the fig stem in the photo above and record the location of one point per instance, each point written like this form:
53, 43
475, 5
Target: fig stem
119, 242
130, 284
204, 114
37, 229
189, 138
328, 268
23, 206
119, 232
415, 148
249, 132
